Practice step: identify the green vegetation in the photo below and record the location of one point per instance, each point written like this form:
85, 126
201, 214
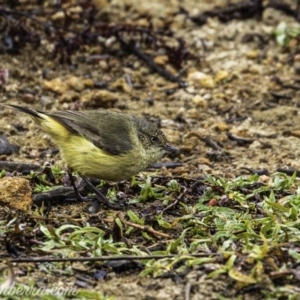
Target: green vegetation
247, 228
286, 34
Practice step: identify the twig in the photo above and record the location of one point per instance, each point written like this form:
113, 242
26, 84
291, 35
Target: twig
211, 143
187, 293
11, 166
289, 171
141, 227
240, 140
258, 172
149, 61
169, 165
176, 201
147, 229
103, 258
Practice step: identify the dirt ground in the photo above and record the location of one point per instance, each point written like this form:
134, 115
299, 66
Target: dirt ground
238, 112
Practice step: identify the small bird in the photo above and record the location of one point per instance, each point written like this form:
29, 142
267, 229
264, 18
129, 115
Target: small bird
103, 144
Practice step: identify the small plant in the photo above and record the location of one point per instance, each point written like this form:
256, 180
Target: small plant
285, 34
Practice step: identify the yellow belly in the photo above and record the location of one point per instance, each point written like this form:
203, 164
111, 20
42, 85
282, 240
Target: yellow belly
83, 156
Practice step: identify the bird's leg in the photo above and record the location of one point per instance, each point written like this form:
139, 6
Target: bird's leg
100, 196
78, 196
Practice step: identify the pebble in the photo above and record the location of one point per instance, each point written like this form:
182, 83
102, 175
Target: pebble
89, 83
122, 85
74, 12
255, 145
60, 15
199, 101
69, 96
28, 98
222, 126
46, 101
6, 147
161, 59
100, 4
221, 76
193, 113
253, 54
100, 98
55, 85
201, 79
75, 83
14, 87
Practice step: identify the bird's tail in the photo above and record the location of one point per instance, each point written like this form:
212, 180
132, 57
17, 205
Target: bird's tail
35, 115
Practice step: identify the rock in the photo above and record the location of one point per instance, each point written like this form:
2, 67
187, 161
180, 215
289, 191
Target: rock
56, 85
6, 147
222, 126
28, 98
161, 59
253, 54
74, 12
14, 87
207, 82
60, 15
255, 69
265, 179
193, 113
69, 96
15, 193
89, 83
199, 101
46, 101
221, 76
255, 145
122, 85
201, 79
75, 83
100, 4
100, 98
295, 133
4, 74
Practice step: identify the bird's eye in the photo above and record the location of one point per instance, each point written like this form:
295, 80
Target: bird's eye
153, 139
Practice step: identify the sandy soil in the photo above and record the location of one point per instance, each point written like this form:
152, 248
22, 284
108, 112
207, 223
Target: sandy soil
233, 98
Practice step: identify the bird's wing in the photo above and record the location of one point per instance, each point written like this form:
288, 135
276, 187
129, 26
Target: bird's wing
107, 130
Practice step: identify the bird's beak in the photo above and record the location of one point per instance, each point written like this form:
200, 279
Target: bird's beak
171, 149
